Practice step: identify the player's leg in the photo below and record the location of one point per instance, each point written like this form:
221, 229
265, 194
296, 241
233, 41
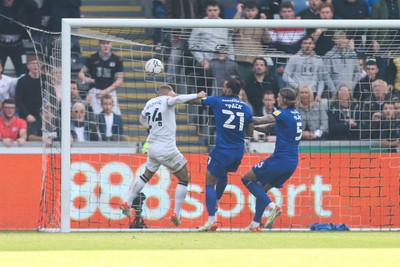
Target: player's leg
151, 167
176, 162
211, 202
262, 199
220, 188
180, 193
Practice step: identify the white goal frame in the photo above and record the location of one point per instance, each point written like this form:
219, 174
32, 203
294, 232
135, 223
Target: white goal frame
67, 24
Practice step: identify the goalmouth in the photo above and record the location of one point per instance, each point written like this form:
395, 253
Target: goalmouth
356, 183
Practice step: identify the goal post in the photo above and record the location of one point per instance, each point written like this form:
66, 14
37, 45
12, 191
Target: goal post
348, 201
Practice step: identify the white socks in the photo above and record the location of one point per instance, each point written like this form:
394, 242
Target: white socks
180, 194
134, 190
211, 220
271, 206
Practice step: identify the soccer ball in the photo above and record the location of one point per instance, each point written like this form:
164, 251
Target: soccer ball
153, 67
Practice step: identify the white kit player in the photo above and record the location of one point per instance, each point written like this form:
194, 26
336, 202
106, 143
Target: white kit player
159, 116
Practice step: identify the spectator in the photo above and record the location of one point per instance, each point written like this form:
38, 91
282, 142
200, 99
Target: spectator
222, 68
323, 36
392, 75
158, 13
343, 116
341, 65
75, 96
383, 39
177, 9
353, 9
254, 38
269, 107
59, 9
110, 124
82, 127
270, 8
258, 84
397, 110
35, 131
7, 86
397, 115
313, 116
363, 90
56, 82
204, 41
29, 91
12, 129
284, 39
106, 74
361, 63
306, 69
312, 12
350, 9
11, 33
389, 134
372, 108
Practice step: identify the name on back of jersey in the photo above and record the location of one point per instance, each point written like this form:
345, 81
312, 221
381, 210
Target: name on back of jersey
231, 105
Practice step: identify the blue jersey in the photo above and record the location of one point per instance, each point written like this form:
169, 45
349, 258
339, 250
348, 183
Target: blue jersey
232, 116
288, 133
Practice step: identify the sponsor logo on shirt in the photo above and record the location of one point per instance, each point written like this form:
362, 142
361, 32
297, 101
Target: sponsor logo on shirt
276, 112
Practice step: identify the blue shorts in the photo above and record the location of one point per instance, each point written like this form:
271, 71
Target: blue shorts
274, 171
221, 161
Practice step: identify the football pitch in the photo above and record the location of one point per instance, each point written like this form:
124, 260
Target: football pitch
200, 249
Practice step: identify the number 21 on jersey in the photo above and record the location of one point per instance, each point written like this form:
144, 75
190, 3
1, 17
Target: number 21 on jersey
232, 115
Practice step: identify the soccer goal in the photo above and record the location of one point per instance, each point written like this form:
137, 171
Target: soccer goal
353, 179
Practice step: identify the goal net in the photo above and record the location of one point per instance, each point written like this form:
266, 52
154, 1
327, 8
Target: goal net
349, 161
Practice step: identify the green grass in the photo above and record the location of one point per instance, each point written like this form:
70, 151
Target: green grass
200, 249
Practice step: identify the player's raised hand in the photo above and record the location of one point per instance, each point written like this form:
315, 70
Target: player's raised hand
239, 7
201, 94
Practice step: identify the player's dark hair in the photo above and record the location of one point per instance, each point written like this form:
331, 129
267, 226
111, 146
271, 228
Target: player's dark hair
268, 92
371, 62
9, 101
250, 4
260, 58
287, 5
305, 38
212, 3
289, 96
235, 85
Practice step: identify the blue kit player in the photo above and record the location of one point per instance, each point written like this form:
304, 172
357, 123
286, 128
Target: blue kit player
277, 169
233, 119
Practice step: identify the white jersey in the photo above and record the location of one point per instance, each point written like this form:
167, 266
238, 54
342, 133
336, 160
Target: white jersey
159, 115
7, 87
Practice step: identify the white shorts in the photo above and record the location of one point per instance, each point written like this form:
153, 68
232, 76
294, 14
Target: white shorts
95, 102
170, 157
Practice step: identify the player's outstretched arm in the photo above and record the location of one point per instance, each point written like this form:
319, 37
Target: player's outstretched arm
265, 128
264, 119
180, 99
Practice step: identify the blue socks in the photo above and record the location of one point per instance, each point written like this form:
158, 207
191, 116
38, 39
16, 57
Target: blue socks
221, 185
262, 198
211, 199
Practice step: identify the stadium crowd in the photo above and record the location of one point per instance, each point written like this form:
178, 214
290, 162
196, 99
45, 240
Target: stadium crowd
347, 89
